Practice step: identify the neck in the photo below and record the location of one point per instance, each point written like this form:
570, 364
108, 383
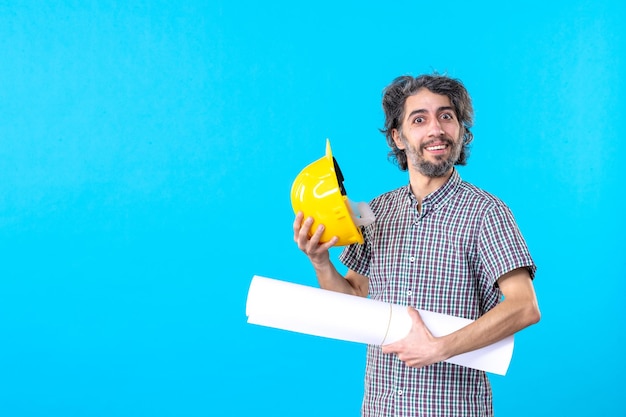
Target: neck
422, 185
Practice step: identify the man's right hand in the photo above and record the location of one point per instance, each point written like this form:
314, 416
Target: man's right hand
327, 276
311, 246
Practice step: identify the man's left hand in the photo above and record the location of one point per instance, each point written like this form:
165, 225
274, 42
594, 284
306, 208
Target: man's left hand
419, 348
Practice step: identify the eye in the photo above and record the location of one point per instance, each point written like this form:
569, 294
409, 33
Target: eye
447, 116
418, 120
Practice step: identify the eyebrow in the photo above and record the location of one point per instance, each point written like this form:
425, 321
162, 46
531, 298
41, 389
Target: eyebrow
420, 111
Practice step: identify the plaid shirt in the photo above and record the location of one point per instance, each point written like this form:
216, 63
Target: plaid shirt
445, 259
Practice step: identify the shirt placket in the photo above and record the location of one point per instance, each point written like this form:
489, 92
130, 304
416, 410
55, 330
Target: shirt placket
402, 388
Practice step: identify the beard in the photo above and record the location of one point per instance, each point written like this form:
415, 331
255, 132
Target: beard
439, 168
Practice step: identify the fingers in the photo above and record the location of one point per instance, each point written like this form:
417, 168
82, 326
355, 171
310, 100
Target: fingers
297, 225
317, 234
316, 238
302, 230
307, 242
333, 240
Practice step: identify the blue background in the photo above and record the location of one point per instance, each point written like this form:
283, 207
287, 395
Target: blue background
147, 149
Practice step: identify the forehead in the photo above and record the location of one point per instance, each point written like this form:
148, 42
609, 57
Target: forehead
425, 100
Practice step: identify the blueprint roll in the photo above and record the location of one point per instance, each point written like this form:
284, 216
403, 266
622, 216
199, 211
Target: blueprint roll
318, 312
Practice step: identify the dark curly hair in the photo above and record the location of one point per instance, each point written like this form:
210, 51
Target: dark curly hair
395, 95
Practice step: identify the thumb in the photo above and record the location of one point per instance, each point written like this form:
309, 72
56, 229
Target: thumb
417, 319
414, 314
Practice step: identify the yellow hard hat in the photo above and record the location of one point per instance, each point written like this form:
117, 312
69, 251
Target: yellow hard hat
318, 192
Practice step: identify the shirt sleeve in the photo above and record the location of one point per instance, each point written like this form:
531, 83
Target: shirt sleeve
501, 246
356, 256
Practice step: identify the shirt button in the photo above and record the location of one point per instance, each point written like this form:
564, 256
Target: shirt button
409, 292
412, 259
400, 392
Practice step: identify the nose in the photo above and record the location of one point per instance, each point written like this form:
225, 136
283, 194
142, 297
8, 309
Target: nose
435, 128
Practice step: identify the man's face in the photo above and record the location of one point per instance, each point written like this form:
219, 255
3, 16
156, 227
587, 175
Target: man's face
430, 133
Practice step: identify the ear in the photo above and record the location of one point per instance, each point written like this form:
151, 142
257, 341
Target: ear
395, 134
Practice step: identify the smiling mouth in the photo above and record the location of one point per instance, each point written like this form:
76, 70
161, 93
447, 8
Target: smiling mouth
436, 148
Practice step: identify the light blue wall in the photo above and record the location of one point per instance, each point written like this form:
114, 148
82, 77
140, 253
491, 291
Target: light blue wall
147, 149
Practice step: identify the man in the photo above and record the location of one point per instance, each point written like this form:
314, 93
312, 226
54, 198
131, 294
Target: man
438, 244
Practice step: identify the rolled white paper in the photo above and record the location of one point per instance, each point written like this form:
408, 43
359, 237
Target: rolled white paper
315, 311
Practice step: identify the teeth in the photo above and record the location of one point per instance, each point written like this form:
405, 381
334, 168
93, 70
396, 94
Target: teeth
436, 148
